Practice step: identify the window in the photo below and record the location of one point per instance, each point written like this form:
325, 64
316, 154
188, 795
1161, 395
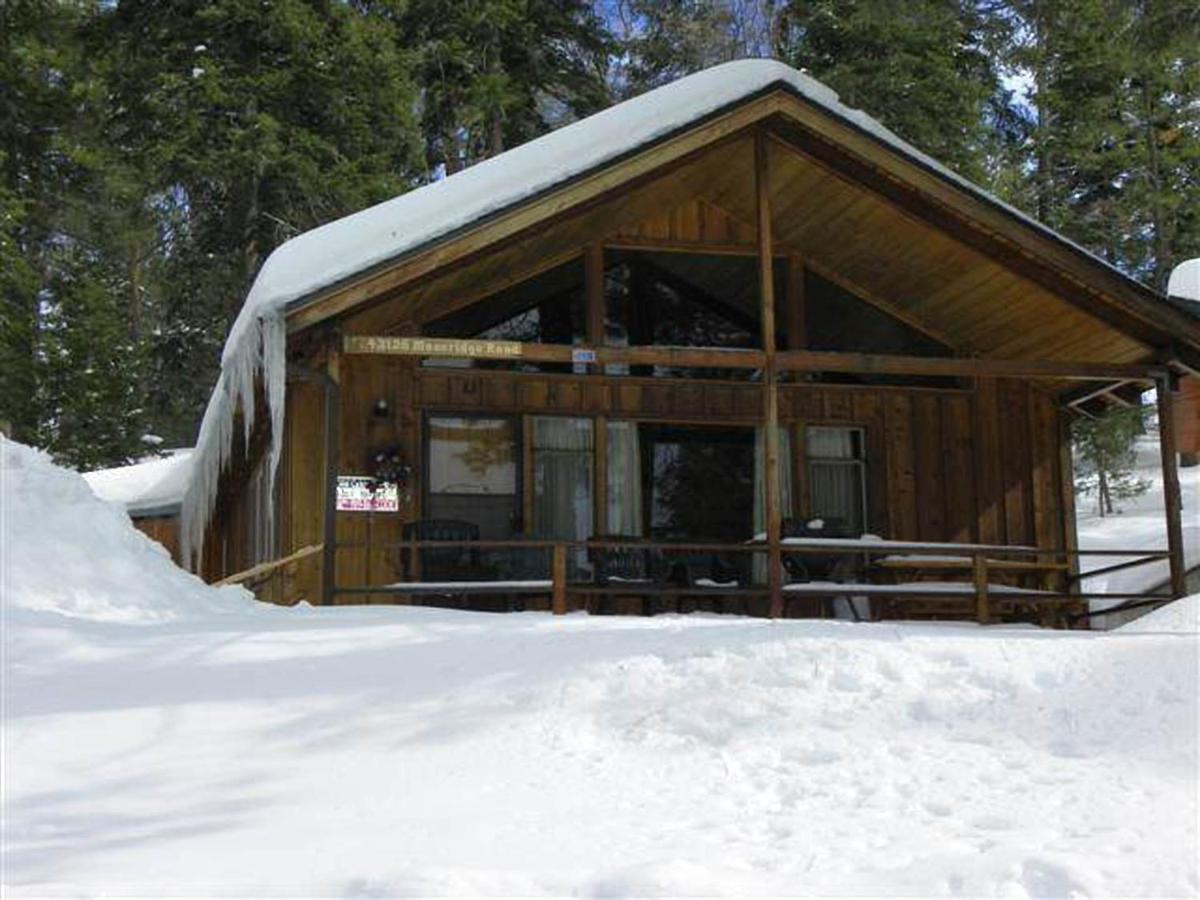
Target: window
701, 481
837, 475
473, 473
562, 477
548, 308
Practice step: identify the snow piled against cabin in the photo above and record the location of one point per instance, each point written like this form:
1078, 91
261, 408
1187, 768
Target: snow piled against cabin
165, 738
154, 484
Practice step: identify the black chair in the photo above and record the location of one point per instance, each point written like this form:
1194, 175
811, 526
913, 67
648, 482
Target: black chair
445, 563
631, 564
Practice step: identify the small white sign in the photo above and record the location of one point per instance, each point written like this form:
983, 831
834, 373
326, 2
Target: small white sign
583, 356
358, 493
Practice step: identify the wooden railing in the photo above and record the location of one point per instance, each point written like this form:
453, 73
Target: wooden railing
980, 561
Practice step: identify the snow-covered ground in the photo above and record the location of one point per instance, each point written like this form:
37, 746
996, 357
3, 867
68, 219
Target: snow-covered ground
1140, 524
163, 738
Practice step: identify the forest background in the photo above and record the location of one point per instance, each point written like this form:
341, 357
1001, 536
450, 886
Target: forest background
154, 153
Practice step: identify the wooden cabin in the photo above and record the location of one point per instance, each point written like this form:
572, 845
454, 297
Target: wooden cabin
694, 374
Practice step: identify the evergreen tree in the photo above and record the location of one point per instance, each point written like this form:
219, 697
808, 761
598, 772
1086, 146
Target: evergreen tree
1112, 125
74, 379
663, 40
250, 123
921, 67
1106, 456
497, 73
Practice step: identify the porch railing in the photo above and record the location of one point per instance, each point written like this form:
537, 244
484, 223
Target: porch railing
980, 561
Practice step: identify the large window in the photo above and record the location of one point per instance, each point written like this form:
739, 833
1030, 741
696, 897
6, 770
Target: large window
546, 309
683, 300
473, 473
700, 482
837, 475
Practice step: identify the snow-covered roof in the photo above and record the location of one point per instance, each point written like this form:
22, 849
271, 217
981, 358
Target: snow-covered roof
1183, 287
334, 252
152, 486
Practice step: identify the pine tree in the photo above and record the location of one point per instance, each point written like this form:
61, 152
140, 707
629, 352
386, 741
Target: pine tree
1106, 456
497, 73
920, 67
663, 40
1112, 125
74, 381
249, 123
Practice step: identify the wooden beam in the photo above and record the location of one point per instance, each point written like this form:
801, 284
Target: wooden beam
667, 245
454, 348
1166, 440
255, 573
333, 450
983, 613
973, 367
766, 289
593, 279
558, 579
732, 358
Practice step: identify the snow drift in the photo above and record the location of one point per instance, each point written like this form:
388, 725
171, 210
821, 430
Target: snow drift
66, 551
224, 749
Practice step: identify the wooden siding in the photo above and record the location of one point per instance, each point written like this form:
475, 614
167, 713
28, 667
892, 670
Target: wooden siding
942, 464
164, 529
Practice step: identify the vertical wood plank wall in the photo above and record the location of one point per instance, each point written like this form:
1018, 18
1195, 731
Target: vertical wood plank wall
985, 464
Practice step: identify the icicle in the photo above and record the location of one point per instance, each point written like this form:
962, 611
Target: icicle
257, 348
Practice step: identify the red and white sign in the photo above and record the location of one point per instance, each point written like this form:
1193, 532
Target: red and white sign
358, 493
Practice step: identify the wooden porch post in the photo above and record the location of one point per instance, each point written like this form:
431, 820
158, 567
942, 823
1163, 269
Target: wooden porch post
593, 278
558, 580
593, 289
766, 290
333, 449
1166, 441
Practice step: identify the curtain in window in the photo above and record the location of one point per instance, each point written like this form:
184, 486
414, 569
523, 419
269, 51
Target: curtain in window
562, 477
830, 443
837, 492
624, 479
836, 474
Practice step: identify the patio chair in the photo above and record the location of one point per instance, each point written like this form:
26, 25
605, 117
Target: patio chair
618, 565
814, 565
445, 563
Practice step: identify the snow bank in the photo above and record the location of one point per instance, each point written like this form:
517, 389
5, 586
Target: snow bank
66, 551
1181, 617
383, 752
154, 484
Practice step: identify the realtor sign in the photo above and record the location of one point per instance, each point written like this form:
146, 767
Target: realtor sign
358, 493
